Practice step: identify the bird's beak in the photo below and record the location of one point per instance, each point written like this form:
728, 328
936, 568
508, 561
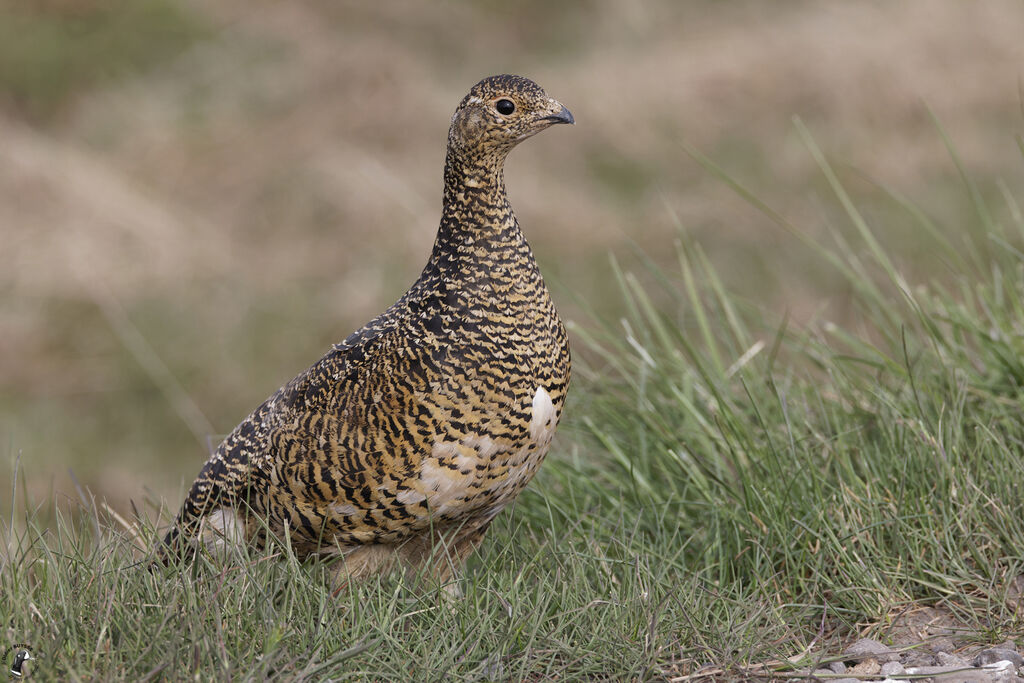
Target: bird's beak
563, 116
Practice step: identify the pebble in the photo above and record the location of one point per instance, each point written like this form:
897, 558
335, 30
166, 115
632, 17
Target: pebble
837, 667
999, 654
968, 676
951, 674
868, 667
866, 647
871, 658
952, 661
890, 669
942, 644
918, 658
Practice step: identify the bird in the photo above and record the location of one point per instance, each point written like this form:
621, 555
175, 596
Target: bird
18, 663
401, 445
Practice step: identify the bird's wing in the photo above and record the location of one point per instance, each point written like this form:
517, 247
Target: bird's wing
244, 462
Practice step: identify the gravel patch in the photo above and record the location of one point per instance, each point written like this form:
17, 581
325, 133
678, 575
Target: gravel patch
871, 660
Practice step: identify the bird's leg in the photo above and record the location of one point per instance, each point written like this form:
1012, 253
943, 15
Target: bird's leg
449, 558
362, 562
436, 556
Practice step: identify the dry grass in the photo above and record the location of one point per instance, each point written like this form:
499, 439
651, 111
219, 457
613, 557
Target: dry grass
269, 188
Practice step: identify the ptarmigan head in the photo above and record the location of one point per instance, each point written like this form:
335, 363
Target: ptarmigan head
498, 113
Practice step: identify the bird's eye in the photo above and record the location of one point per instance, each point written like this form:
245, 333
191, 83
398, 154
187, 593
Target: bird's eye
505, 107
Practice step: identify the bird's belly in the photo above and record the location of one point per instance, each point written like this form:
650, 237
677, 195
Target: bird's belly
462, 461
476, 475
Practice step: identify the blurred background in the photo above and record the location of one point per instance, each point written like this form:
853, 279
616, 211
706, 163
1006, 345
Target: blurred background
198, 198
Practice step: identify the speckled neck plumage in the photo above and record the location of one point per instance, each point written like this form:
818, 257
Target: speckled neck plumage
421, 426
475, 215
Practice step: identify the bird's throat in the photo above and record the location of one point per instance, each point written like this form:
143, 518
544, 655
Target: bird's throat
476, 206
473, 179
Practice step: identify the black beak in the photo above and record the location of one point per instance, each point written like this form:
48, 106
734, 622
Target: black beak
564, 116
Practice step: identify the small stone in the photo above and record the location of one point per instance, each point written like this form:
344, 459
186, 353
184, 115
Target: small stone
837, 667
951, 660
966, 676
818, 673
1008, 645
926, 670
868, 667
890, 669
998, 654
918, 658
953, 674
1002, 671
866, 647
942, 644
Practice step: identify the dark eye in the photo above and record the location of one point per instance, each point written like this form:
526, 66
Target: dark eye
505, 107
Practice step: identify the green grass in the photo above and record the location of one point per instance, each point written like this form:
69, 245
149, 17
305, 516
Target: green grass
730, 489
50, 52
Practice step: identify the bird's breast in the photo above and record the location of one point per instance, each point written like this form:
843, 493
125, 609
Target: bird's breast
489, 464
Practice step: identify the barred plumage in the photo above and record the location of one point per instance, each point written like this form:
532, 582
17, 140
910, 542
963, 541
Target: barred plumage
412, 434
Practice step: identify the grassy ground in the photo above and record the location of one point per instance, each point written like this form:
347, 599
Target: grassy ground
731, 490
799, 424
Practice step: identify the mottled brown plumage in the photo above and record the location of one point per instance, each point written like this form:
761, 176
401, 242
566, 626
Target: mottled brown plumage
405, 440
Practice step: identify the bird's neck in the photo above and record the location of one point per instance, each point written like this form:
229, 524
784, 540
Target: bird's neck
479, 238
476, 208
473, 179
